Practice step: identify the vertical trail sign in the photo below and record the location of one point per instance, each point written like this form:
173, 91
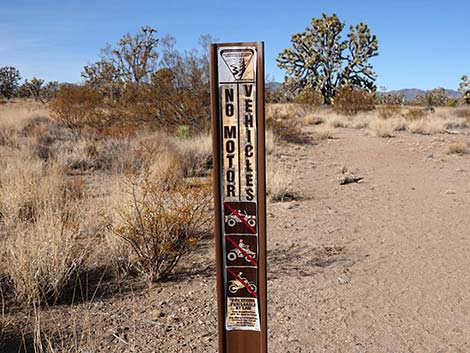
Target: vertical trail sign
237, 96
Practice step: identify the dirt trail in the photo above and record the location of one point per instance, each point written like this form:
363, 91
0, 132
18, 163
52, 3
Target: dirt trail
400, 282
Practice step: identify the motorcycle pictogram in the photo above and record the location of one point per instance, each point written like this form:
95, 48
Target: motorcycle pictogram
235, 285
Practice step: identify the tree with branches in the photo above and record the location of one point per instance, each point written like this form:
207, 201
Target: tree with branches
9, 79
133, 59
321, 60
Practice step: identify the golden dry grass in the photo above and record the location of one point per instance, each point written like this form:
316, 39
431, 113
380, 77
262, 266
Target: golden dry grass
323, 133
280, 186
459, 148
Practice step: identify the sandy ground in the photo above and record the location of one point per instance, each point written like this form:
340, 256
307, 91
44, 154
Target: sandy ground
377, 266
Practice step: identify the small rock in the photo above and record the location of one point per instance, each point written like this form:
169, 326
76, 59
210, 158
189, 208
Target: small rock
349, 178
342, 280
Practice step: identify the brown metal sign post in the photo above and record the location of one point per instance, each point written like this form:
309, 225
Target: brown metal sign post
237, 94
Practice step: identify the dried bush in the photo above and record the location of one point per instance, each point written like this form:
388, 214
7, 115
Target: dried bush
8, 137
462, 113
279, 185
426, 127
79, 106
42, 259
163, 222
309, 99
285, 126
39, 214
338, 121
196, 156
312, 119
323, 133
459, 148
390, 98
382, 128
415, 114
389, 111
351, 101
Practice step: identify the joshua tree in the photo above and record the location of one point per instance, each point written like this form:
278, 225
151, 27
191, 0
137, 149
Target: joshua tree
464, 84
9, 78
464, 87
322, 60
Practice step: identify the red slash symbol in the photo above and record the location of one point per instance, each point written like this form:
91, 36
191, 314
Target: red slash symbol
240, 217
247, 256
234, 286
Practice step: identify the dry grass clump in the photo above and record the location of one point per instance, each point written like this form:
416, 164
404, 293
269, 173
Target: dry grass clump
456, 123
361, 121
459, 148
39, 218
389, 111
16, 114
279, 185
42, 258
338, 121
85, 155
195, 155
48, 332
323, 133
312, 119
270, 141
463, 112
414, 114
426, 126
8, 137
381, 128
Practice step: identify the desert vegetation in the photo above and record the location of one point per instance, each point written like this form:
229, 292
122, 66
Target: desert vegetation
107, 184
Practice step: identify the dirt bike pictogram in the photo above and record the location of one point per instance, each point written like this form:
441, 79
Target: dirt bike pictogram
232, 219
235, 285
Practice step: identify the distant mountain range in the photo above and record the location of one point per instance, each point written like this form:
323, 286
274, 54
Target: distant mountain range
411, 93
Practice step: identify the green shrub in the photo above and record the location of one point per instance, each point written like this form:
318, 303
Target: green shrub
183, 132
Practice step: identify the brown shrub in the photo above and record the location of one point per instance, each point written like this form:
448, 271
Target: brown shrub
309, 100
351, 101
163, 222
160, 104
78, 106
285, 126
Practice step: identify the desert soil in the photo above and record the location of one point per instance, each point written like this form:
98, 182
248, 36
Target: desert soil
376, 266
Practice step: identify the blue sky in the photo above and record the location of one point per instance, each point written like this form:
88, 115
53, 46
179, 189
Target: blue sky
422, 44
